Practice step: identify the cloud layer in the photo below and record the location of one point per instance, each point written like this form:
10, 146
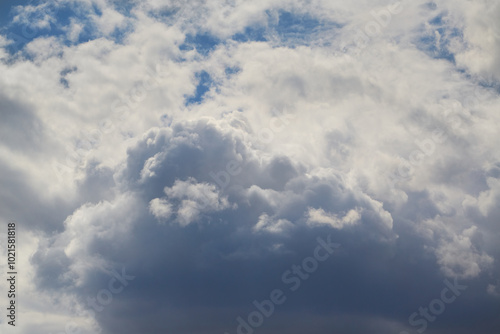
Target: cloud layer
172, 163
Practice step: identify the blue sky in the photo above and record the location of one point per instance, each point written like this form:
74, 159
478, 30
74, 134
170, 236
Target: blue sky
5, 10
252, 167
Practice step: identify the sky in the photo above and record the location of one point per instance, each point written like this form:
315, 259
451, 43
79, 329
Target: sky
222, 167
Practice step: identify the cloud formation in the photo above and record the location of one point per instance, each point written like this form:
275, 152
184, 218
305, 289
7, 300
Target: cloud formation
203, 147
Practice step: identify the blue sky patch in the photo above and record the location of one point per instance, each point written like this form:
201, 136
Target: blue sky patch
204, 83
288, 26
203, 43
23, 33
436, 43
438, 20
290, 23
232, 70
251, 34
6, 10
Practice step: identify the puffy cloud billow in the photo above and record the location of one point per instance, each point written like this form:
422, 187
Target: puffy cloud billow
251, 166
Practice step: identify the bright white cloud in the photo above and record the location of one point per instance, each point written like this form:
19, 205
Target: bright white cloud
319, 216
270, 225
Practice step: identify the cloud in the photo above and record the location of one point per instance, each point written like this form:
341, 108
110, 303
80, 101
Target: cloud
205, 146
459, 258
193, 199
267, 224
319, 216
